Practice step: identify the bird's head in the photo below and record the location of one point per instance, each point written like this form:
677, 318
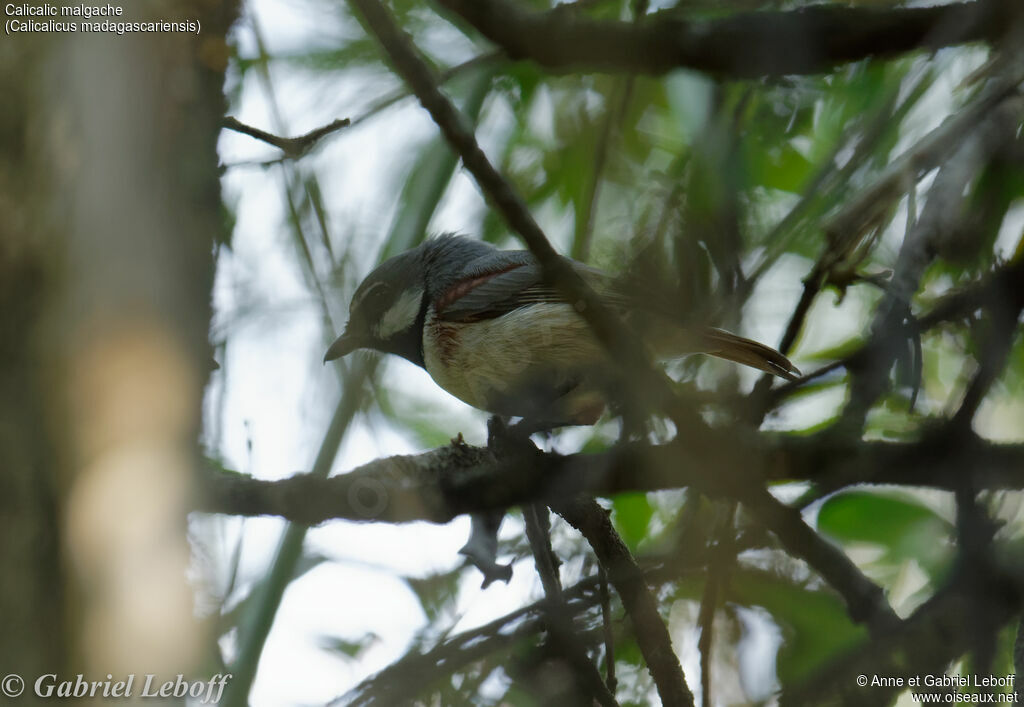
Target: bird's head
387, 311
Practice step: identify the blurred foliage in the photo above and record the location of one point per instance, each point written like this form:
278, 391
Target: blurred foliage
814, 622
713, 194
903, 527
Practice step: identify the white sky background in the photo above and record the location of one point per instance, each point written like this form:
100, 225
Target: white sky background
273, 393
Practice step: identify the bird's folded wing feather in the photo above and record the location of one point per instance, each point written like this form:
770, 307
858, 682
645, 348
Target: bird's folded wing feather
498, 283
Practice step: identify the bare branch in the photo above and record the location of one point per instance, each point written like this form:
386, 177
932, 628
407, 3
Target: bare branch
441, 484
293, 147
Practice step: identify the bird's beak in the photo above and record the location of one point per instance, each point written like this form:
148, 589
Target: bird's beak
343, 346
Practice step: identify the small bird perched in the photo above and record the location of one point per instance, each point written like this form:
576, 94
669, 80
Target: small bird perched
491, 332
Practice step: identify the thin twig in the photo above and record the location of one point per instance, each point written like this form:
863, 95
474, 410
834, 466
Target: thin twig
293, 147
609, 635
379, 106
539, 535
988, 292
705, 622
938, 220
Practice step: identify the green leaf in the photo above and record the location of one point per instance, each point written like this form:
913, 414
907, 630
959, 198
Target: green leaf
900, 524
814, 624
780, 167
632, 514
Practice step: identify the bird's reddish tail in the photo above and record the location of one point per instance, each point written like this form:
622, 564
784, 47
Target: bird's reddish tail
722, 344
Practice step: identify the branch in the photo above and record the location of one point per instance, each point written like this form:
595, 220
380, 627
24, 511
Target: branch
557, 618
865, 600
1004, 284
651, 632
846, 228
862, 210
995, 344
443, 483
439, 485
293, 147
936, 227
1001, 285
748, 45
407, 677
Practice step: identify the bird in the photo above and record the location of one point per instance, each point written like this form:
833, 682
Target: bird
491, 331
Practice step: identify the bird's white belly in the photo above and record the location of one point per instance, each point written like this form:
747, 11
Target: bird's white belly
492, 359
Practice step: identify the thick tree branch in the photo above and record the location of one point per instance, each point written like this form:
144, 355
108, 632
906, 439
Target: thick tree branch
441, 484
747, 45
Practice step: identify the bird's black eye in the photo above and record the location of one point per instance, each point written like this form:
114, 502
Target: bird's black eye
378, 294
372, 299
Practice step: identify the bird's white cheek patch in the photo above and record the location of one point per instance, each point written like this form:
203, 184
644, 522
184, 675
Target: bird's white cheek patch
401, 315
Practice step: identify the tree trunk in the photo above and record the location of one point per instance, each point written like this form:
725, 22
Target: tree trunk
111, 208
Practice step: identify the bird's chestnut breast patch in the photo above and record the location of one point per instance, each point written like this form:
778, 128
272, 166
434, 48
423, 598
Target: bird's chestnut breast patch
445, 338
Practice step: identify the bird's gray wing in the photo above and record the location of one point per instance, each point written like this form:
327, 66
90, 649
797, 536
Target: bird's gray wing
503, 281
